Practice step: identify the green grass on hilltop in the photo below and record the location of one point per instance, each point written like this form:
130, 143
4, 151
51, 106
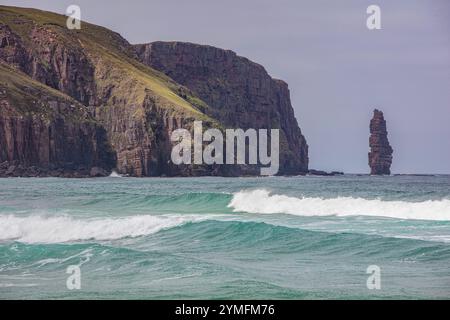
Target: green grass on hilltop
112, 56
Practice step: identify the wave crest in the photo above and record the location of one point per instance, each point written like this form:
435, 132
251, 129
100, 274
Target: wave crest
262, 201
39, 229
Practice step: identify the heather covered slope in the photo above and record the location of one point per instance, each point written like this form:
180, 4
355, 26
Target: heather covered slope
82, 63
135, 105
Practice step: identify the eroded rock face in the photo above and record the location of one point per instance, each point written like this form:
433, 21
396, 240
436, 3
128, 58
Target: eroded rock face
48, 60
380, 155
31, 145
239, 93
125, 110
97, 68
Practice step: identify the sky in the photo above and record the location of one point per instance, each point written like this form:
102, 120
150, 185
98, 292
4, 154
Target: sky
337, 69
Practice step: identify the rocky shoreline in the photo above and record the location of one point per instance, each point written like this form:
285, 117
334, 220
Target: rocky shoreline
16, 170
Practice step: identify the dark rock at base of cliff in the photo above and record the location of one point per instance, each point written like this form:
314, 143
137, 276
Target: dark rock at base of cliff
313, 172
14, 170
97, 172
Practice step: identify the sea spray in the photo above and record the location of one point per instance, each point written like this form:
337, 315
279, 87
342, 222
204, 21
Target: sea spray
114, 174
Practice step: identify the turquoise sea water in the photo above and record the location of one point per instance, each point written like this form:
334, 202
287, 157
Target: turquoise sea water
225, 238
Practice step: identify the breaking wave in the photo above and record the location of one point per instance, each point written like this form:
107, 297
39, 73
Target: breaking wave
39, 229
114, 174
263, 202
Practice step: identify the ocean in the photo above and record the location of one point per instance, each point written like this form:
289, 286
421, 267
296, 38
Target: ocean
226, 238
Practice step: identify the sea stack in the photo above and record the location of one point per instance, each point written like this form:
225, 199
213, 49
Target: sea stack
380, 155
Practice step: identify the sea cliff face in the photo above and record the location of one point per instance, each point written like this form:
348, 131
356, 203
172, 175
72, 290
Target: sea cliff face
77, 100
43, 132
380, 155
239, 92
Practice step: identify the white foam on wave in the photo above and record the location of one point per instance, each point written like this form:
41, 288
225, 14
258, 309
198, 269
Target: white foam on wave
114, 174
262, 201
40, 229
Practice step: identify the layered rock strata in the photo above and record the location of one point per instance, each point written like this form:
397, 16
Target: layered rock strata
82, 102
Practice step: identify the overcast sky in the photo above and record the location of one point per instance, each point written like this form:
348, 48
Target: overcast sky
338, 71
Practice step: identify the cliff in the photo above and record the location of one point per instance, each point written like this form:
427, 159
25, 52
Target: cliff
134, 105
43, 132
124, 109
239, 92
380, 155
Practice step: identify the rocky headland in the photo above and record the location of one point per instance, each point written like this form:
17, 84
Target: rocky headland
79, 103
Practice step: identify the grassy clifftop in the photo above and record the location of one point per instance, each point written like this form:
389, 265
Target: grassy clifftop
116, 69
